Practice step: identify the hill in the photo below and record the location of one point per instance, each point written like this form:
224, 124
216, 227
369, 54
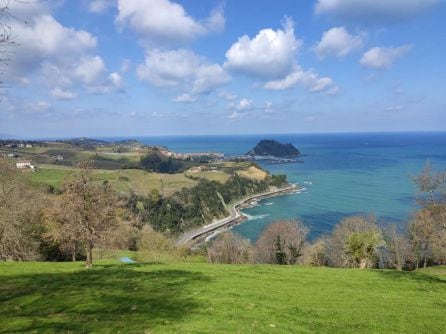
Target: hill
273, 148
205, 298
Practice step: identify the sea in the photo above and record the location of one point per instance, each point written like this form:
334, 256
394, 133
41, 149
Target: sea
340, 175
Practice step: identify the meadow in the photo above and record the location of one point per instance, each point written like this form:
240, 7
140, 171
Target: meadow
40, 297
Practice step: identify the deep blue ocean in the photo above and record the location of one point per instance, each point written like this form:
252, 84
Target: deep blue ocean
343, 174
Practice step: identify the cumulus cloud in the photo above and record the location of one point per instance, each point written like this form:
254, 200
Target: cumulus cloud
163, 22
269, 55
338, 42
383, 57
60, 57
308, 79
373, 10
183, 69
45, 39
89, 69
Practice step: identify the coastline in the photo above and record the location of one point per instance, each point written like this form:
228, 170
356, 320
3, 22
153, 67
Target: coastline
235, 217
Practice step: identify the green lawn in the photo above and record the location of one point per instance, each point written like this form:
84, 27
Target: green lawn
205, 298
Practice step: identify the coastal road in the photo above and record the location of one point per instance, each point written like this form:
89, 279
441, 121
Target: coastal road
233, 216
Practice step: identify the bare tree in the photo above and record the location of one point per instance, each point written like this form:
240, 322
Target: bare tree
7, 42
428, 238
230, 248
88, 210
281, 243
19, 216
354, 243
62, 226
398, 250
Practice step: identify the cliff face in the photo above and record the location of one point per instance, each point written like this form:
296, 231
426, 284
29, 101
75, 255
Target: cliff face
274, 148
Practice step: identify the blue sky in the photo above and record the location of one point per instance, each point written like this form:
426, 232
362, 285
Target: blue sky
163, 67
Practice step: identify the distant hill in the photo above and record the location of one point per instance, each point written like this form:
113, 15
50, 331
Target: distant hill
271, 147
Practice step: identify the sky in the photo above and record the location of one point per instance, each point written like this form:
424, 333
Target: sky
197, 67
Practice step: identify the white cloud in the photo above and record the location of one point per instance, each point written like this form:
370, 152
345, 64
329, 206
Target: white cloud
185, 98
183, 69
168, 68
90, 69
45, 39
234, 115
269, 55
163, 22
59, 57
298, 76
209, 77
216, 21
383, 57
62, 94
373, 10
338, 42
88, 72
242, 105
100, 6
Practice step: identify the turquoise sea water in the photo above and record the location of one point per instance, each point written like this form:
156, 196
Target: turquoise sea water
343, 174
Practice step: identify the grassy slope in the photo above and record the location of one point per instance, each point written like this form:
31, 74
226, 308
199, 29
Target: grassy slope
139, 181
204, 298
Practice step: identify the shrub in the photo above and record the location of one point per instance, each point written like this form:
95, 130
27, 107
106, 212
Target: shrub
354, 243
281, 243
230, 248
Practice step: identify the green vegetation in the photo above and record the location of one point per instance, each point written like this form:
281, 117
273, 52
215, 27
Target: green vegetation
204, 298
157, 162
195, 206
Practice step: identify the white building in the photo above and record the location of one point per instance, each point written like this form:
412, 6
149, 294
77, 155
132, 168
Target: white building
24, 164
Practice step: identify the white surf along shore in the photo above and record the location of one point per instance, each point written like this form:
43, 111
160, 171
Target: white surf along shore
235, 217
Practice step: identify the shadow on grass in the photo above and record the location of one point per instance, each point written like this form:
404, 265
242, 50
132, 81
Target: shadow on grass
105, 299
412, 276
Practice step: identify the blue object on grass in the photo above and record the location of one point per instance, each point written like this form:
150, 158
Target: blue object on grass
126, 260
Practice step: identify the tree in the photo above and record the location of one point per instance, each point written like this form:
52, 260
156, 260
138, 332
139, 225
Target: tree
230, 248
354, 243
315, 254
6, 37
281, 243
397, 250
427, 229
427, 237
88, 211
19, 216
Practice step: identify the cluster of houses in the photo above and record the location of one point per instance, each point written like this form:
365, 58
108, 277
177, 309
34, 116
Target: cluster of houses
197, 169
189, 156
15, 143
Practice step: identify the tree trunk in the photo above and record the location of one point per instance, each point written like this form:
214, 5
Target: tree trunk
73, 252
89, 261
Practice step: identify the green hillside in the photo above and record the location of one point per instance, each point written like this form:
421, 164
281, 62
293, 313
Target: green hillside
205, 298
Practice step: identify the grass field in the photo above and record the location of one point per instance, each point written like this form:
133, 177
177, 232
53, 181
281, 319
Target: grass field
205, 298
138, 181
123, 181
